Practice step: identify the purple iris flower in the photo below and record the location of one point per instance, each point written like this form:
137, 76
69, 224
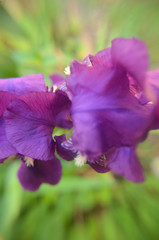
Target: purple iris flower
9, 89
108, 115
30, 120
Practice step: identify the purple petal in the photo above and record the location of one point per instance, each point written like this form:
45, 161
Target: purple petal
63, 152
43, 172
102, 122
124, 162
155, 110
63, 104
57, 79
152, 89
60, 82
77, 67
86, 136
29, 125
153, 85
99, 164
21, 85
30, 121
87, 61
131, 54
102, 57
68, 144
2, 160
63, 119
6, 149
5, 98
99, 79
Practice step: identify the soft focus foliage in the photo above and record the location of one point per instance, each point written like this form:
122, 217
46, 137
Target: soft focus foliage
43, 36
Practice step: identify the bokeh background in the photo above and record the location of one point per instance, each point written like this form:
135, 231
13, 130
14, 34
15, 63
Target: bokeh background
44, 36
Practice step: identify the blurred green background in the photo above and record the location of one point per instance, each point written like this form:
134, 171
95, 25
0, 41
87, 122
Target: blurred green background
43, 36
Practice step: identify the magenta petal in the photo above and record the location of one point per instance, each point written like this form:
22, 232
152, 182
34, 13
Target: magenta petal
43, 172
132, 55
124, 162
21, 85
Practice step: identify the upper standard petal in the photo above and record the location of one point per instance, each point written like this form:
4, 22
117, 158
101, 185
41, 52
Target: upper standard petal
131, 54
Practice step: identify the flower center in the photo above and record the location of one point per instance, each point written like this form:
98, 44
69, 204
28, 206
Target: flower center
80, 160
29, 161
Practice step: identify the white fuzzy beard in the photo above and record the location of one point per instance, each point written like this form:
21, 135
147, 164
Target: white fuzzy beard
80, 160
29, 161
